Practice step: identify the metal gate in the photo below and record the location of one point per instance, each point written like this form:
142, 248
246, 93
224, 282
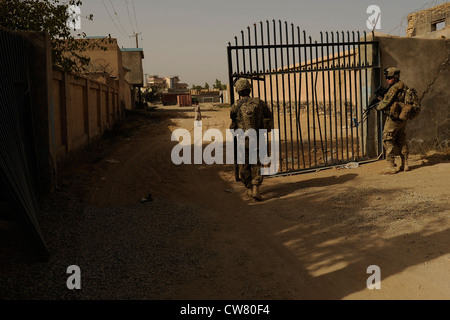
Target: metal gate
318, 91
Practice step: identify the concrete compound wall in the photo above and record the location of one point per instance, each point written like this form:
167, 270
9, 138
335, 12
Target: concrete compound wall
424, 65
106, 63
83, 110
69, 111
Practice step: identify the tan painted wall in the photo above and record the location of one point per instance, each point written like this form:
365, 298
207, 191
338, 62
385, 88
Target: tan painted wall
83, 110
424, 65
106, 64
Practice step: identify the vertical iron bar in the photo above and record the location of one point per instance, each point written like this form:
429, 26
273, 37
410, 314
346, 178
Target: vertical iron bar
350, 71
329, 96
270, 69
335, 97
257, 60
270, 76
243, 52
264, 70
319, 123
289, 95
250, 58
277, 91
356, 97
295, 95
325, 156
230, 72
237, 55
300, 96
263, 60
313, 96
345, 95
307, 99
366, 85
340, 95
238, 70
361, 104
284, 96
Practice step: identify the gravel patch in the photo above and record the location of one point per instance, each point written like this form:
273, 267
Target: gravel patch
132, 252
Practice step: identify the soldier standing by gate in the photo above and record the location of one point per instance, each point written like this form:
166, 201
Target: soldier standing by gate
250, 113
394, 135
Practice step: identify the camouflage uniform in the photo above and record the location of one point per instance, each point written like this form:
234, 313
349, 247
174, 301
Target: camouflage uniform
250, 113
394, 135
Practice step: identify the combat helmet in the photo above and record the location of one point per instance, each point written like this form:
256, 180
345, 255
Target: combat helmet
242, 84
392, 72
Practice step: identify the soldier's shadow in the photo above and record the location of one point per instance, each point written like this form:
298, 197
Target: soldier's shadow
431, 160
284, 189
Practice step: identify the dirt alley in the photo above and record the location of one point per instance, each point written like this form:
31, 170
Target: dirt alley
313, 237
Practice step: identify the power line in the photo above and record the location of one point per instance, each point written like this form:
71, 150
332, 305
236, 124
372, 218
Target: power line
118, 19
113, 20
135, 17
135, 33
129, 16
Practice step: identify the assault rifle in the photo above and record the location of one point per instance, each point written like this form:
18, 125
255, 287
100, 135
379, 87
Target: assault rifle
379, 94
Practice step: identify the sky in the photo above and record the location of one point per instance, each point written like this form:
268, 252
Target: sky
189, 38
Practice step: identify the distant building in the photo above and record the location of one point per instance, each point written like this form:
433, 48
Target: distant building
156, 81
207, 95
167, 84
132, 60
174, 84
430, 23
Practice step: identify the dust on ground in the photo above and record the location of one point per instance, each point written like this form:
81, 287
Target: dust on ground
141, 227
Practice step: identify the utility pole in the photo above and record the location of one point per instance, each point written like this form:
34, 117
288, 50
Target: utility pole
137, 46
137, 39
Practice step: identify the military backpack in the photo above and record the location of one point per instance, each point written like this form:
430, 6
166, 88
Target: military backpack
411, 105
251, 114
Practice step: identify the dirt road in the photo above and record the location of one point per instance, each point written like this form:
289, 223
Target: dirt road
313, 237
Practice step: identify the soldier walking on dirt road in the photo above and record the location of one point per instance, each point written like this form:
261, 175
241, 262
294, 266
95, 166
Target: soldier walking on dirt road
250, 113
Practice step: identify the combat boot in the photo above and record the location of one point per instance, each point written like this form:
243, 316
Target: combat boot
250, 192
390, 168
404, 166
256, 195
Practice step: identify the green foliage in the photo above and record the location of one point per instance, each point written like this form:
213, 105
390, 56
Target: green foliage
152, 95
218, 85
50, 16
